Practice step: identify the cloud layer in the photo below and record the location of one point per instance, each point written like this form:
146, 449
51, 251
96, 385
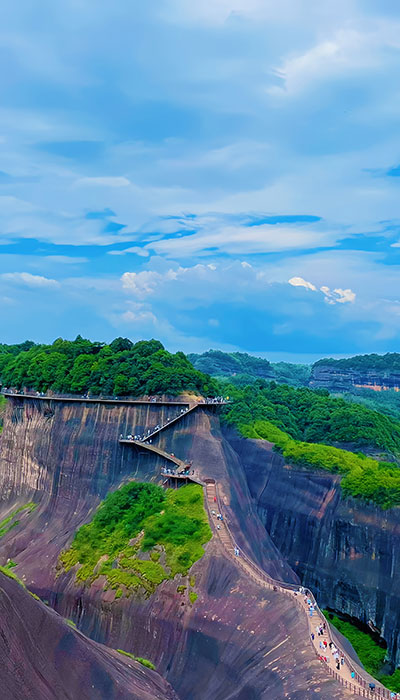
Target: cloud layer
219, 173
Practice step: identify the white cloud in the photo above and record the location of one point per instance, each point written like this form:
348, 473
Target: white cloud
138, 317
28, 280
265, 238
103, 181
299, 282
64, 259
338, 295
136, 250
344, 296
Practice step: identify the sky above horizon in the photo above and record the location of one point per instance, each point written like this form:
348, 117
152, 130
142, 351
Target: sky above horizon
222, 174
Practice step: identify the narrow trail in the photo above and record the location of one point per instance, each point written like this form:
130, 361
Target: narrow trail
349, 675
357, 684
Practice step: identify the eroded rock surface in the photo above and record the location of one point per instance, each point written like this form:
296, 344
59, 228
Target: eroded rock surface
43, 658
346, 550
238, 640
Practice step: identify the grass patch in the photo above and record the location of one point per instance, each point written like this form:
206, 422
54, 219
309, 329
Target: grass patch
7, 572
71, 623
8, 523
129, 531
193, 597
144, 662
363, 477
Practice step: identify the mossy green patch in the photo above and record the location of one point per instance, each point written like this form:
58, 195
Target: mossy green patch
193, 596
153, 521
8, 523
363, 477
144, 662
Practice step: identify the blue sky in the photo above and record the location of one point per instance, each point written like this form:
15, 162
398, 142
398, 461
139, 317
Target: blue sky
216, 174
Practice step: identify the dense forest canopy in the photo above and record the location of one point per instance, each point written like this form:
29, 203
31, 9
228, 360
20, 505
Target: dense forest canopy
242, 368
379, 363
313, 416
120, 368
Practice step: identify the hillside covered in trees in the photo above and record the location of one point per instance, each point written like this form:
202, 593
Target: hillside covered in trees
390, 362
313, 416
120, 368
242, 368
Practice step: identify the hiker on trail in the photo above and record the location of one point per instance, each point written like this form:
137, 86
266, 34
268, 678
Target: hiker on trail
372, 687
325, 644
342, 660
353, 675
312, 637
338, 666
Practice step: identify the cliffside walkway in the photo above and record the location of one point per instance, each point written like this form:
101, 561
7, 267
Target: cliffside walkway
359, 685
152, 448
188, 405
83, 399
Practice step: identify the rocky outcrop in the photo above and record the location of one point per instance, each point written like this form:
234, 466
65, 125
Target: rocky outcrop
344, 379
237, 641
346, 550
43, 658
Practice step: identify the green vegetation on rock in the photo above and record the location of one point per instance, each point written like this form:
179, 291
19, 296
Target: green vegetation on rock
121, 368
242, 368
144, 662
192, 597
9, 522
140, 536
313, 416
371, 653
390, 362
363, 476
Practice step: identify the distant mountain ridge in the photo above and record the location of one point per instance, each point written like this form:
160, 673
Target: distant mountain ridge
374, 372
246, 368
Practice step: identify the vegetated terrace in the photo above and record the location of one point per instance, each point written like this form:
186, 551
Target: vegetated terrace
140, 536
364, 477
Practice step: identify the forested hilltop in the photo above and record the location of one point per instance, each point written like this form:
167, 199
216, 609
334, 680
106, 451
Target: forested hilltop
365, 363
120, 368
312, 415
242, 368
307, 426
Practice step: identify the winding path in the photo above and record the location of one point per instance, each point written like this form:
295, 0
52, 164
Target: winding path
357, 685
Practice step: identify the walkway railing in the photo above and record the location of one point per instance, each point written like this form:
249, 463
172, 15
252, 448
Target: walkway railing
31, 394
360, 685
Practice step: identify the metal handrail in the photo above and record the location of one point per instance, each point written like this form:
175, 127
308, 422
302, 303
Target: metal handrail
380, 691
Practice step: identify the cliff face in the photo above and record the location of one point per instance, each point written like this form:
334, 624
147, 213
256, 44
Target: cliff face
237, 640
347, 551
340, 379
42, 658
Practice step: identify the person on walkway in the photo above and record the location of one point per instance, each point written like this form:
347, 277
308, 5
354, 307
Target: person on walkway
372, 687
338, 666
353, 675
312, 637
